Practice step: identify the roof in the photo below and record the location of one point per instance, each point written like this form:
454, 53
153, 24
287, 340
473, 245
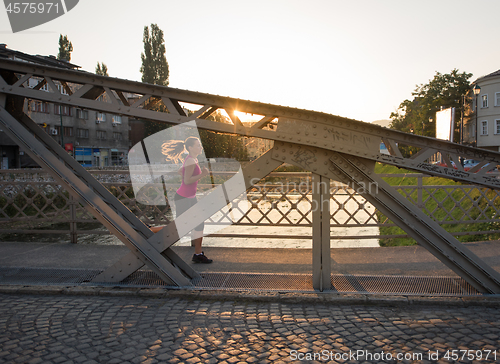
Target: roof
45, 60
493, 74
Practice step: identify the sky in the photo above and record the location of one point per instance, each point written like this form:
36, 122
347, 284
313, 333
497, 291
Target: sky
358, 59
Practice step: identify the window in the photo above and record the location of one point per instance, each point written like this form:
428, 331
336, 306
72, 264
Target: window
497, 126
101, 134
39, 106
82, 133
117, 119
68, 131
100, 117
484, 127
62, 110
82, 114
484, 100
119, 136
497, 98
61, 89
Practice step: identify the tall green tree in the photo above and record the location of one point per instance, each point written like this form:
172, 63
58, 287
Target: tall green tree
65, 48
101, 69
154, 70
443, 91
154, 66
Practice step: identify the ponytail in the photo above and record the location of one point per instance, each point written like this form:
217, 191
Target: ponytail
173, 149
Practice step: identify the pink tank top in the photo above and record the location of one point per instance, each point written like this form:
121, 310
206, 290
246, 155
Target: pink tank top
189, 191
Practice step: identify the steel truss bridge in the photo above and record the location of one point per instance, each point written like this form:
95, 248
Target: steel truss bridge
331, 147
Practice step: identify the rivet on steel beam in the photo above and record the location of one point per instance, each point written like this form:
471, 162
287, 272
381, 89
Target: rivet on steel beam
314, 125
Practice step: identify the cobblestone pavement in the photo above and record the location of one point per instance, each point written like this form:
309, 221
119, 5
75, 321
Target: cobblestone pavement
95, 329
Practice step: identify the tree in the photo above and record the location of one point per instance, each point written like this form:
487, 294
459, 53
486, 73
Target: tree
101, 69
218, 145
417, 116
65, 48
154, 70
154, 66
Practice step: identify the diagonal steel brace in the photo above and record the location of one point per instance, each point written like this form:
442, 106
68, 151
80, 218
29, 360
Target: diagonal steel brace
93, 196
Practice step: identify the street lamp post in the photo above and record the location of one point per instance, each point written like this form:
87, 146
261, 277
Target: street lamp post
462, 120
476, 90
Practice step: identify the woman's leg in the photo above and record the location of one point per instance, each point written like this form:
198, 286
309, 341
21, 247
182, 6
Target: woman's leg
196, 240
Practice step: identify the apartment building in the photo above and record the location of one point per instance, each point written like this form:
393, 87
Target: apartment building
93, 138
482, 124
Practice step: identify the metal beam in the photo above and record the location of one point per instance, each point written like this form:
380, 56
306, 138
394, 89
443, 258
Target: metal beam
304, 127
321, 232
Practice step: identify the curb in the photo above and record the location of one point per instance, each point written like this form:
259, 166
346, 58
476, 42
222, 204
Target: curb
259, 296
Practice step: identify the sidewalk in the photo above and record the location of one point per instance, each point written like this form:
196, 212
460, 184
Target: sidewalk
412, 260
399, 273
91, 324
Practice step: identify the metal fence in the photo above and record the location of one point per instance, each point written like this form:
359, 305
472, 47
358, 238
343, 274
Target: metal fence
31, 202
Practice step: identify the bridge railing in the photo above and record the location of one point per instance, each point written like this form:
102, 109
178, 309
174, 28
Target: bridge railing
31, 202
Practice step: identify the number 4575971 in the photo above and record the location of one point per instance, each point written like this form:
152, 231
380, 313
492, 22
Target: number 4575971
32, 8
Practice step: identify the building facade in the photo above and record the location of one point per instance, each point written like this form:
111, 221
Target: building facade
482, 121
93, 138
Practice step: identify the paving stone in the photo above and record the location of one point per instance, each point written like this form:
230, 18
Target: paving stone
92, 329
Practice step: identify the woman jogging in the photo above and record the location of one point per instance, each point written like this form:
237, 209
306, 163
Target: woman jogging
185, 197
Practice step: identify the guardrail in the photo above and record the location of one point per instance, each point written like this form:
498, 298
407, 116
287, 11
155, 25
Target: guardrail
31, 202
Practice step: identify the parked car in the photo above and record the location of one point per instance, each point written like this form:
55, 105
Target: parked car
470, 163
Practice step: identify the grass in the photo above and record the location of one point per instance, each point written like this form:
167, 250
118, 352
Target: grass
444, 204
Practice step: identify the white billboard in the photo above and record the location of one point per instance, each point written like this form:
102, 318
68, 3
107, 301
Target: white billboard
445, 119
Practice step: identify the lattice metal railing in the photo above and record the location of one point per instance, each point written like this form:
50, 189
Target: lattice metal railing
30, 202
